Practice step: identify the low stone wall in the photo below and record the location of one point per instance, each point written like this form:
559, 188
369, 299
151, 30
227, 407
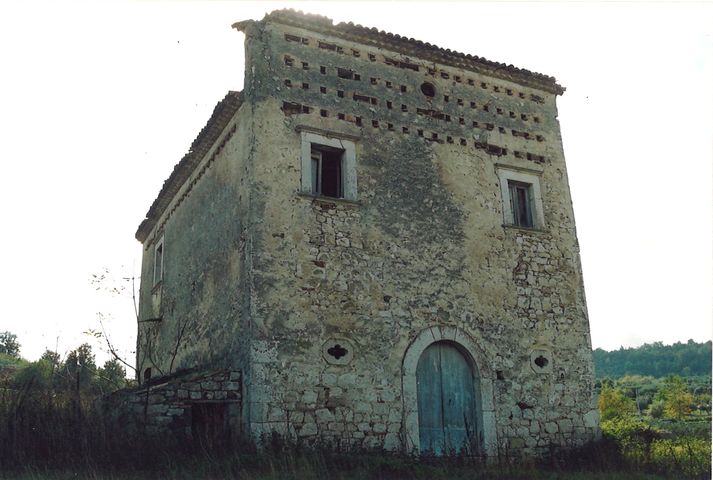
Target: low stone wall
166, 405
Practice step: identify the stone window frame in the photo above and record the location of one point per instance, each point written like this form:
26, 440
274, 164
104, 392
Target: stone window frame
158, 255
507, 176
309, 140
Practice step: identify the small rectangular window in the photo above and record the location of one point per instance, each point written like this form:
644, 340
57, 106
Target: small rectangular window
327, 171
521, 203
158, 262
328, 165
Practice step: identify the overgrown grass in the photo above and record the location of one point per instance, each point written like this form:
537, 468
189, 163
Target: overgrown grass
320, 465
46, 435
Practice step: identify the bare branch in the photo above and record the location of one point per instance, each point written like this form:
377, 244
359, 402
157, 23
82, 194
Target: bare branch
179, 338
111, 347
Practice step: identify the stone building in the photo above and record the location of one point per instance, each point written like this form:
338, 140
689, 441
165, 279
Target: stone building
375, 241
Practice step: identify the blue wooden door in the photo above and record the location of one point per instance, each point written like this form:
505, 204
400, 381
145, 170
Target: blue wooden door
446, 401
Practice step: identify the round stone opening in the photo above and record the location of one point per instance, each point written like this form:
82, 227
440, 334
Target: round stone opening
428, 89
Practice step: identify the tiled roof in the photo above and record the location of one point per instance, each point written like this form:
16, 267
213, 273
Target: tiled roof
410, 46
223, 112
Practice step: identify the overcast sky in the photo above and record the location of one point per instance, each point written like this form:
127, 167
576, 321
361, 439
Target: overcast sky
98, 102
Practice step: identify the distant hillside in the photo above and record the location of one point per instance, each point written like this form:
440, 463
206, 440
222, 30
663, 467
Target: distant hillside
656, 359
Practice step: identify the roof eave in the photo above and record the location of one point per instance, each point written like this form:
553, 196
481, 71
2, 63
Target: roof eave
223, 112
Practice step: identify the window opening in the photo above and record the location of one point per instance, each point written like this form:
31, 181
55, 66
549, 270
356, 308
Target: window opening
520, 203
345, 73
327, 171
147, 374
428, 89
158, 262
337, 351
327, 46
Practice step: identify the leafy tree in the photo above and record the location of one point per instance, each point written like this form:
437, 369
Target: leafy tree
613, 403
9, 344
52, 358
80, 365
655, 359
112, 376
656, 408
36, 375
678, 401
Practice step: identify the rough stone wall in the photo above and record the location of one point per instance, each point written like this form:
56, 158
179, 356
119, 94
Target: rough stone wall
424, 245
203, 287
164, 406
269, 281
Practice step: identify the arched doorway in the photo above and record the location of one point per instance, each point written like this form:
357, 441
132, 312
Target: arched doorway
469, 359
447, 407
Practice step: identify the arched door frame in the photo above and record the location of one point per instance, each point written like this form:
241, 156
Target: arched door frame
481, 370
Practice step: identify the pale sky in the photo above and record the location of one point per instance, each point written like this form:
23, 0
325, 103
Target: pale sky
99, 100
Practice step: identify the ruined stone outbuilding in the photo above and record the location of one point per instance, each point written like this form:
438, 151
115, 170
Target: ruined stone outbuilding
374, 243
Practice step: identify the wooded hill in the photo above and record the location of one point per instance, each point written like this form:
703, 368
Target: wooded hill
655, 359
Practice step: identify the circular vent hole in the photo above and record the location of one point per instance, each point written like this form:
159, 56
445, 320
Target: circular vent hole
541, 361
428, 89
337, 351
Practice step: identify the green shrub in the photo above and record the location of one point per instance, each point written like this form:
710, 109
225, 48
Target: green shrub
686, 456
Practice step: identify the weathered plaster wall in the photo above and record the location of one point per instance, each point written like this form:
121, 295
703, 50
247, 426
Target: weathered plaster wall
200, 301
423, 246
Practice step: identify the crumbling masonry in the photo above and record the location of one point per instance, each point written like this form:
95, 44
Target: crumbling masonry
374, 240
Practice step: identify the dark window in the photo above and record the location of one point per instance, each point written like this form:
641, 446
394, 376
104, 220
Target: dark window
158, 263
147, 374
520, 203
327, 171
